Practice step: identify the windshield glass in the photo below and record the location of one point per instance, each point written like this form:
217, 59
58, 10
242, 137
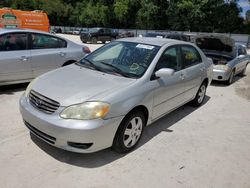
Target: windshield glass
126, 59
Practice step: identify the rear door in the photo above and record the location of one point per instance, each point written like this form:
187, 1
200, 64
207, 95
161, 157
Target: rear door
14, 57
48, 52
194, 68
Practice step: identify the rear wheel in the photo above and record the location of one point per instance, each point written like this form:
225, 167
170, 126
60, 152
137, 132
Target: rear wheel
200, 96
129, 132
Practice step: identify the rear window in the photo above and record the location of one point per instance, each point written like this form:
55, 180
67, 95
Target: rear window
40, 41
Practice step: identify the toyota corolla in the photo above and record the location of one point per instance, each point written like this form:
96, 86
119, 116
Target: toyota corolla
107, 98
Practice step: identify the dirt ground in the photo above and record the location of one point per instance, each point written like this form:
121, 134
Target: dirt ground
191, 147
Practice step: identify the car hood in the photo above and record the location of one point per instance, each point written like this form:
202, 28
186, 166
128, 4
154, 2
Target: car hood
216, 44
74, 84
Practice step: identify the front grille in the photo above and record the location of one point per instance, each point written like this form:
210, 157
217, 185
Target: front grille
43, 103
40, 134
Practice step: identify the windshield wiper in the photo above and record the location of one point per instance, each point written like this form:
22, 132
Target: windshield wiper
91, 64
117, 70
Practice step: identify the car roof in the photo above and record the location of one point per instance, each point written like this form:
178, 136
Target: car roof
152, 41
3, 30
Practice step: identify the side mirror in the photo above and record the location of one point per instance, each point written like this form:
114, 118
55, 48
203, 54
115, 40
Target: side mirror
165, 72
241, 56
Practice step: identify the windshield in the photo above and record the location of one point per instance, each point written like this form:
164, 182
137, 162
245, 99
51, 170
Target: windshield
126, 59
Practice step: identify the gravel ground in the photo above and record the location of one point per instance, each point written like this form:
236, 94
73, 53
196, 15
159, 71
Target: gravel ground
204, 147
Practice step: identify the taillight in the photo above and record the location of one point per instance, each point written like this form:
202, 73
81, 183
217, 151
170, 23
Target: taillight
86, 50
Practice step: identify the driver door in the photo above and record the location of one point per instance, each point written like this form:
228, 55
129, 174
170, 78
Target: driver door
170, 90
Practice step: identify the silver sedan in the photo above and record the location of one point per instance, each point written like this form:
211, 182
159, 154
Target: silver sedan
26, 54
229, 58
108, 97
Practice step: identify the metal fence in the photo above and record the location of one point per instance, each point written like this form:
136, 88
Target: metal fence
239, 38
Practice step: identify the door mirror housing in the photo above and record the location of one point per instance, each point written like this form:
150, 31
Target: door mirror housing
241, 56
165, 72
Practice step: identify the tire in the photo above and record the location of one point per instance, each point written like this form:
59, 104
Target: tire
200, 95
103, 42
93, 40
231, 78
129, 132
243, 72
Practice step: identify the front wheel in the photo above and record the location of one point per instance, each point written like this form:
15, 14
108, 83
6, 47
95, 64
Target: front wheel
243, 73
129, 132
200, 96
231, 78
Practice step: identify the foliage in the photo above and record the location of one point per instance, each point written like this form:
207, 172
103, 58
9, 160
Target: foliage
191, 15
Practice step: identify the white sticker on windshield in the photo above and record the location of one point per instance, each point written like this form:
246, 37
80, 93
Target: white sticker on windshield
145, 46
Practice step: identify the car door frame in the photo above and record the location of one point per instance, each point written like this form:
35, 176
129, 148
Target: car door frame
60, 55
25, 55
168, 104
240, 61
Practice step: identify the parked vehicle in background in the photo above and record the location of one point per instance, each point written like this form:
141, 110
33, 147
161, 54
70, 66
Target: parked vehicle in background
126, 34
76, 31
229, 59
176, 36
98, 34
108, 97
10, 18
57, 30
26, 54
157, 35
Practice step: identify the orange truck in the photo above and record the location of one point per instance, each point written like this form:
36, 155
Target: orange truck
10, 18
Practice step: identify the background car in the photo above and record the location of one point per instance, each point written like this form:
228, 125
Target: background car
157, 35
26, 54
229, 58
176, 36
98, 34
126, 34
108, 97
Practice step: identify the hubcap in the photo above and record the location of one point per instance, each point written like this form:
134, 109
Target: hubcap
201, 93
132, 132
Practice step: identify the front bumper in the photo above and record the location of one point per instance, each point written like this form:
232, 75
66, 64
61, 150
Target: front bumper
93, 134
221, 75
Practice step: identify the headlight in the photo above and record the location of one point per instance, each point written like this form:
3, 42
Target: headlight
222, 67
86, 111
27, 91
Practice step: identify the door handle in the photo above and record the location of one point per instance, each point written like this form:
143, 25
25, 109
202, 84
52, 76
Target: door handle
62, 54
202, 69
24, 58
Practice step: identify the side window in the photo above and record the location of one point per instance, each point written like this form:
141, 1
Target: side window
40, 41
13, 42
190, 56
169, 59
101, 31
241, 51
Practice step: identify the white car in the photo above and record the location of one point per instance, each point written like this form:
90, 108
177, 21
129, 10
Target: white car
26, 54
